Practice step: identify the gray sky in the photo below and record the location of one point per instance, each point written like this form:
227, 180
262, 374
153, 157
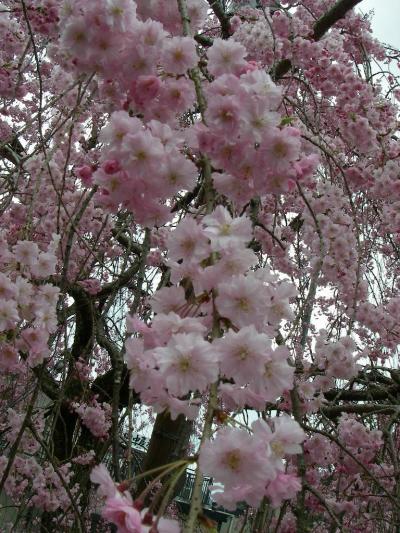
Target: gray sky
386, 21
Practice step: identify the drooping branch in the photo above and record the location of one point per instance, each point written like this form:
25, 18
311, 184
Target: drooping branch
221, 16
121, 281
371, 393
338, 11
323, 24
84, 323
12, 150
362, 409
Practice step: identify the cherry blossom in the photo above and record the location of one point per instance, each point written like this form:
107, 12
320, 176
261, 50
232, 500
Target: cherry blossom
190, 192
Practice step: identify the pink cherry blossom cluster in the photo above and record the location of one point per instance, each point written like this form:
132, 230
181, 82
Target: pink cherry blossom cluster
179, 355
363, 442
251, 466
380, 319
175, 356
28, 475
335, 223
133, 152
12, 36
255, 33
26, 304
95, 416
261, 155
43, 15
168, 14
121, 114
96, 34
336, 358
42, 482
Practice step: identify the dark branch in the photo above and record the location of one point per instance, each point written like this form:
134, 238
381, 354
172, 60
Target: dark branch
323, 24
338, 11
372, 393
12, 150
121, 281
363, 409
222, 17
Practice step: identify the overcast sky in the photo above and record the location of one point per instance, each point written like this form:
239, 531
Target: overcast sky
386, 21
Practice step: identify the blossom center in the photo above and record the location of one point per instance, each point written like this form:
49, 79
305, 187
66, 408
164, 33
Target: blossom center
141, 155
178, 55
280, 149
225, 230
243, 353
117, 11
243, 304
277, 448
226, 115
233, 460
268, 370
188, 245
184, 364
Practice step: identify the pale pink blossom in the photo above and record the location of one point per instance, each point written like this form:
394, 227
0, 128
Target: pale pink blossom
141, 365
236, 260
179, 55
259, 83
169, 138
282, 147
178, 174
35, 339
177, 95
242, 354
242, 300
226, 57
277, 376
224, 113
142, 153
7, 288
118, 127
278, 302
26, 253
166, 325
120, 14
96, 417
49, 294
24, 291
145, 89
45, 265
235, 189
75, 37
187, 363
120, 511
283, 487
101, 476
240, 462
237, 397
8, 314
169, 299
223, 230
286, 438
188, 241
176, 407
8, 357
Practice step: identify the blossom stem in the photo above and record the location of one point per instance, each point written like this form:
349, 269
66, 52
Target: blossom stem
195, 506
166, 468
167, 496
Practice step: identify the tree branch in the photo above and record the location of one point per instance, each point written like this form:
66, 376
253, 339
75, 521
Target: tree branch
221, 16
323, 24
